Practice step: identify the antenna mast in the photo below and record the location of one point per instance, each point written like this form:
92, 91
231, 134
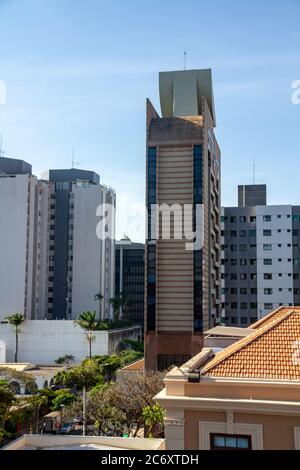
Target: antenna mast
254, 171
74, 163
1, 144
185, 60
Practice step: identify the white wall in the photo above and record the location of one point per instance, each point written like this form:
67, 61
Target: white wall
13, 237
43, 341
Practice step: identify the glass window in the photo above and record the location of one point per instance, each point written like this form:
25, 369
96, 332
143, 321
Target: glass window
243, 247
232, 219
267, 233
243, 233
243, 219
268, 276
268, 306
268, 291
267, 247
252, 233
267, 218
267, 261
228, 441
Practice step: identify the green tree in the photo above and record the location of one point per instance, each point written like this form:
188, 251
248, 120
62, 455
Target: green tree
37, 402
63, 398
153, 416
87, 321
16, 321
86, 375
134, 392
120, 306
7, 398
99, 298
137, 346
65, 359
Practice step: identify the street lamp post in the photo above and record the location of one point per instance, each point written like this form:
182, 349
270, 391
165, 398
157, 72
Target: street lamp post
84, 411
61, 415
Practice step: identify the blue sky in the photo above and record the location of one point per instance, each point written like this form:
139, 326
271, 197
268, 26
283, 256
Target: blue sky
77, 74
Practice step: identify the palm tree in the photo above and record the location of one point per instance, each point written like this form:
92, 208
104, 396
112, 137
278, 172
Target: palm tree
119, 305
115, 302
87, 321
16, 320
99, 298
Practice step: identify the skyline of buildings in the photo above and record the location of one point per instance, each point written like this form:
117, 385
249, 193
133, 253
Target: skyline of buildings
52, 261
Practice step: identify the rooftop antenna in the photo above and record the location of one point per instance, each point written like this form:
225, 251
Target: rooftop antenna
254, 171
74, 163
1, 145
185, 60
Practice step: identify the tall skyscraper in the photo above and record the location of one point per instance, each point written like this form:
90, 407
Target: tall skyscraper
24, 212
130, 277
261, 259
182, 285
81, 265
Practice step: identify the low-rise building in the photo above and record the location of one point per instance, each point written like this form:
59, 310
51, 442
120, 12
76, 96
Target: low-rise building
43, 376
246, 396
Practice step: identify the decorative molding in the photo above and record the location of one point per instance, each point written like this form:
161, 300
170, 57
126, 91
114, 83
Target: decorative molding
253, 430
297, 438
224, 404
174, 422
230, 422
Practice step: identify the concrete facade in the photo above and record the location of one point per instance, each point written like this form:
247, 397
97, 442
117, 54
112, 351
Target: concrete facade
260, 261
24, 211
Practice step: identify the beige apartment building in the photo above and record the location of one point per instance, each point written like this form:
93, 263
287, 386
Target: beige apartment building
182, 284
246, 396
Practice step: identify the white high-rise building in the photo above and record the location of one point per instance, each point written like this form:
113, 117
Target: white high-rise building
82, 259
260, 257
24, 210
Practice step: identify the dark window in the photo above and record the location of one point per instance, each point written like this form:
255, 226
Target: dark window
267, 261
165, 361
230, 441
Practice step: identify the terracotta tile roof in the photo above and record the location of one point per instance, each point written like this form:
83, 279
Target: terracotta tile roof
270, 352
278, 313
137, 366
